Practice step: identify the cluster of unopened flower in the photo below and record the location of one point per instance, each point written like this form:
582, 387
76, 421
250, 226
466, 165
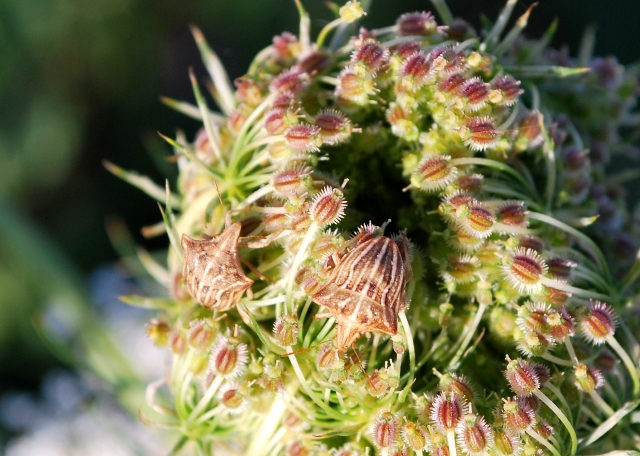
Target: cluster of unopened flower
461, 128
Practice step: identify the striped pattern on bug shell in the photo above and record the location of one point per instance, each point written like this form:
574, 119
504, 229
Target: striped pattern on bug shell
365, 291
212, 271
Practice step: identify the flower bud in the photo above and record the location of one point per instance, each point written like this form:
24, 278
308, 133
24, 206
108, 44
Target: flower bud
414, 436
599, 323
460, 269
228, 357
291, 80
522, 377
524, 270
414, 72
278, 120
517, 415
476, 93
530, 133
328, 206
480, 133
512, 214
458, 385
286, 329
353, 88
587, 379
329, 358
561, 268
384, 432
303, 138
201, 334
474, 435
313, 62
509, 89
158, 331
233, 398
434, 173
418, 23
285, 46
452, 83
290, 181
507, 444
560, 324
335, 127
477, 220
446, 411
370, 56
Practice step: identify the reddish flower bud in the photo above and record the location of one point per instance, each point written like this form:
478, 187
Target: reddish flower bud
297, 448
228, 357
414, 72
587, 379
561, 324
290, 181
434, 173
530, 133
278, 120
446, 410
404, 50
460, 269
452, 83
248, 91
384, 432
353, 88
476, 92
599, 323
303, 138
576, 159
290, 80
233, 398
201, 334
382, 381
458, 385
555, 297
524, 270
286, 329
285, 45
481, 134
313, 62
477, 220
370, 56
177, 343
417, 23
561, 268
509, 89
328, 206
531, 242
325, 245
329, 358
518, 416
335, 127
470, 183
474, 435
522, 377
512, 214
533, 317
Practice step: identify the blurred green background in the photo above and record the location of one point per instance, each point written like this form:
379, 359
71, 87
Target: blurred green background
79, 82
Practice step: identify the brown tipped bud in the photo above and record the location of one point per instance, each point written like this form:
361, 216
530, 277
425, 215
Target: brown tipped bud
328, 206
560, 324
587, 379
530, 133
518, 416
414, 72
233, 397
414, 436
201, 334
477, 220
509, 89
278, 120
473, 434
370, 56
524, 270
335, 127
290, 181
382, 380
384, 432
303, 138
476, 93
228, 357
599, 323
561, 268
353, 87
313, 62
531, 242
291, 81
460, 269
177, 343
285, 46
286, 329
481, 134
434, 173
512, 214
507, 444
458, 385
446, 411
248, 91
404, 50
329, 358
158, 331
417, 23
522, 377
452, 83
576, 159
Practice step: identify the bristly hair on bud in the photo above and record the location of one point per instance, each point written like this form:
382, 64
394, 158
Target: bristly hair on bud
460, 269
228, 357
370, 56
525, 269
508, 89
303, 138
587, 379
417, 23
233, 398
335, 127
476, 93
328, 206
522, 376
290, 180
384, 432
476, 220
480, 133
286, 329
414, 72
474, 435
434, 173
446, 411
351, 11
599, 323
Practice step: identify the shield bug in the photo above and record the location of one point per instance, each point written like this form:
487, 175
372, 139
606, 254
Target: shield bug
365, 290
212, 271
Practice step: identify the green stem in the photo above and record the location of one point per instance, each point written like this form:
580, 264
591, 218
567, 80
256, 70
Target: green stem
601, 403
626, 359
537, 437
495, 165
572, 432
204, 402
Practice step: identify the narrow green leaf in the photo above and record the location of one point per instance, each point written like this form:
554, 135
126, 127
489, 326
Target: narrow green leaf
610, 423
145, 302
141, 182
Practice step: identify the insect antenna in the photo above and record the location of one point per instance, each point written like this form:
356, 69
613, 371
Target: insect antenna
302, 350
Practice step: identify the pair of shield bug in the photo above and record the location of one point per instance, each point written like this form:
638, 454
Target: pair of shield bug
364, 290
